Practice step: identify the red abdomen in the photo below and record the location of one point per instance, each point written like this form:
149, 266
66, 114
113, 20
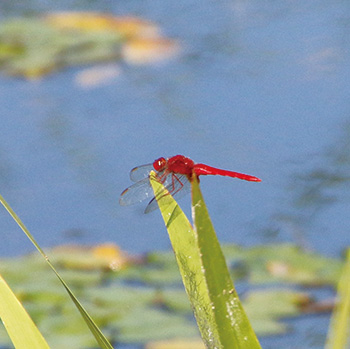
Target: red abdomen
201, 169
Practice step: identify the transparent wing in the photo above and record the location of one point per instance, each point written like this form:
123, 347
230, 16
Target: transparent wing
142, 189
140, 172
177, 185
137, 192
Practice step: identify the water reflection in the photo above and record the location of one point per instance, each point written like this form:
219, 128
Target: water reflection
316, 190
77, 150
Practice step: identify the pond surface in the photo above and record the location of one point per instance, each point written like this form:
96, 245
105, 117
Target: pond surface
260, 87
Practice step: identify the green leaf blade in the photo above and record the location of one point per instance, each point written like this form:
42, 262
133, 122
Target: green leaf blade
19, 326
339, 332
233, 325
219, 314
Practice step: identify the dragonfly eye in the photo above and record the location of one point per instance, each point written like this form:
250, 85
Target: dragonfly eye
159, 164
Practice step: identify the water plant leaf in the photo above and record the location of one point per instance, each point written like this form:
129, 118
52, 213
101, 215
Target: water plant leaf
266, 307
218, 311
233, 326
32, 47
144, 323
153, 282
20, 327
289, 263
126, 27
176, 344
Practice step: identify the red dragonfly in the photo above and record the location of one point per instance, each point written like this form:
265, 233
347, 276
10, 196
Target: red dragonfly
175, 174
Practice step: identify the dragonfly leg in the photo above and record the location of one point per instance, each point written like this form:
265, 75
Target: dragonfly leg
172, 188
163, 176
173, 179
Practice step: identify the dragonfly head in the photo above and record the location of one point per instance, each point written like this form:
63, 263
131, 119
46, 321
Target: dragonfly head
159, 164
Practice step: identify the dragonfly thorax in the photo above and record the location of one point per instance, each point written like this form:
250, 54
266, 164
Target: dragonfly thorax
181, 165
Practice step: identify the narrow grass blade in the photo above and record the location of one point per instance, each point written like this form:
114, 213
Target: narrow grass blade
339, 332
233, 325
100, 338
218, 311
19, 326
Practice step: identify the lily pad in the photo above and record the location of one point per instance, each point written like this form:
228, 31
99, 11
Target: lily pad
35, 46
289, 263
145, 301
146, 324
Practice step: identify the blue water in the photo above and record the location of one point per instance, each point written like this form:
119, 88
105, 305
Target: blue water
260, 87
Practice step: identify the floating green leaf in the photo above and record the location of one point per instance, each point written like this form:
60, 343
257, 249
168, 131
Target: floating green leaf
289, 263
34, 46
